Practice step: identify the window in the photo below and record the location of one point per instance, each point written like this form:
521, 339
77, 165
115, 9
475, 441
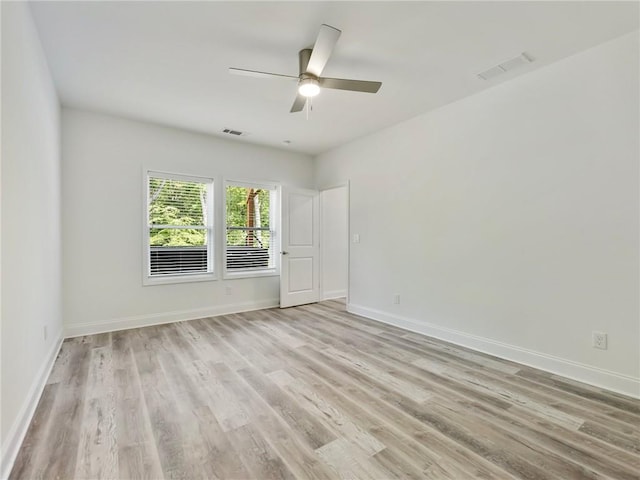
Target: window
179, 229
250, 247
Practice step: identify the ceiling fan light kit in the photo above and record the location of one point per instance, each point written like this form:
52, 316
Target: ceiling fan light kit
309, 87
312, 62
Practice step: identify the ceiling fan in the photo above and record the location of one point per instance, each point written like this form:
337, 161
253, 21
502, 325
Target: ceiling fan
312, 62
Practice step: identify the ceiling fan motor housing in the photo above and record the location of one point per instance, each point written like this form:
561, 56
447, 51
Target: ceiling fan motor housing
308, 86
303, 60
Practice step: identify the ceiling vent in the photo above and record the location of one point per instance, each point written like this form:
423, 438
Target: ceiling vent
507, 66
235, 133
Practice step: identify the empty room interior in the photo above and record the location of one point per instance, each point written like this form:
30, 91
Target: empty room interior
320, 240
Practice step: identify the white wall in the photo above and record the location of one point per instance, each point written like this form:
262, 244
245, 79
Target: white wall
508, 221
104, 159
31, 245
334, 208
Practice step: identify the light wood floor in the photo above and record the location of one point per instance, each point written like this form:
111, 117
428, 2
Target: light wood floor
315, 393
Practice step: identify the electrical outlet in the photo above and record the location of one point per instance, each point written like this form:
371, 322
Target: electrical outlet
46, 333
356, 238
396, 299
228, 290
599, 340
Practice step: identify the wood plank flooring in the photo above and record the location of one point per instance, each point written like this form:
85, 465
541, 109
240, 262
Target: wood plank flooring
315, 393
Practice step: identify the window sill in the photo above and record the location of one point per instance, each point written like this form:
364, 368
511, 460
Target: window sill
171, 279
272, 272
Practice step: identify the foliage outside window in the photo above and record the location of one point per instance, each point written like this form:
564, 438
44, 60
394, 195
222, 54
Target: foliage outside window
250, 235
179, 214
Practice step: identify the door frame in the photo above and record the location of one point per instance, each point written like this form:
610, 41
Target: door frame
344, 184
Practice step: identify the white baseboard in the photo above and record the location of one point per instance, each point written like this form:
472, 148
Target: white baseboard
331, 294
138, 321
598, 377
18, 430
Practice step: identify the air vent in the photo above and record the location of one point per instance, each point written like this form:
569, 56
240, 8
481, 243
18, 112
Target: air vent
237, 133
507, 66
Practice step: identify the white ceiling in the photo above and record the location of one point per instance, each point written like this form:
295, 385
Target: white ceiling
167, 62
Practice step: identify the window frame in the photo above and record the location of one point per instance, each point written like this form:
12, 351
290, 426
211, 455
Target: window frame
274, 229
211, 274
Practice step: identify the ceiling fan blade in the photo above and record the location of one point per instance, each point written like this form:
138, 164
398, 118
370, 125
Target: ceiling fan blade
254, 73
298, 103
353, 85
322, 49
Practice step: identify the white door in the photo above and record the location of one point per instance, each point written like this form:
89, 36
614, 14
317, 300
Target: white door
300, 249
